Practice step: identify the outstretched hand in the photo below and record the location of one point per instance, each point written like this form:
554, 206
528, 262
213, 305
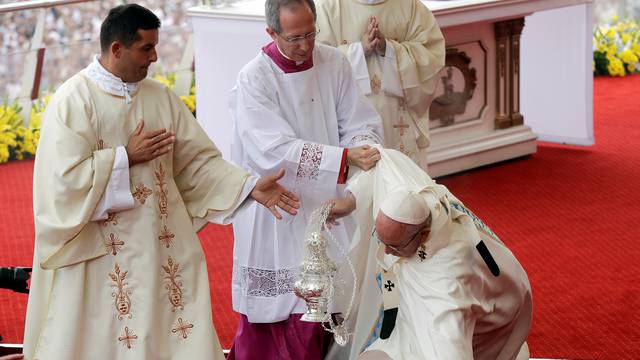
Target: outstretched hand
272, 195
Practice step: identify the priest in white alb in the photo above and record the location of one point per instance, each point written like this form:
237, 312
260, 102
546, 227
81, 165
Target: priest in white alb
123, 178
447, 286
295, 106
396, 50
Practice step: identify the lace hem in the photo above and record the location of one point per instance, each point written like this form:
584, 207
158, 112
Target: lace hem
361, 140
263, 282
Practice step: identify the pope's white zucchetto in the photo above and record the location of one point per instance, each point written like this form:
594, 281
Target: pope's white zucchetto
405, 206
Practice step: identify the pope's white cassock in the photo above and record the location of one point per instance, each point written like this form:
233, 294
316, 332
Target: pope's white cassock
453, 300
301, 121
119, 272
401, 82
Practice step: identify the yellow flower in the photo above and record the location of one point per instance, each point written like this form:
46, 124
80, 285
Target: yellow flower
4, 152
169, 81
628, 56
190, 101
615, 67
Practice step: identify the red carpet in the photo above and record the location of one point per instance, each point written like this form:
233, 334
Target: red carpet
568, 213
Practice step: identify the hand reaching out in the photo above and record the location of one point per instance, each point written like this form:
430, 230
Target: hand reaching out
340, 207
271, 195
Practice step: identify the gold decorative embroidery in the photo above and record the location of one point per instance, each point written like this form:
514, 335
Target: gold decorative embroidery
128, 337
401, 126
122, 300
182, 327
162, 192
141, 193
403, 149
113, 244
376, 84
173, 284
166, 237
111, 218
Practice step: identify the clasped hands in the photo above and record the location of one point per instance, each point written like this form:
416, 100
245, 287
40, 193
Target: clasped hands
372, 38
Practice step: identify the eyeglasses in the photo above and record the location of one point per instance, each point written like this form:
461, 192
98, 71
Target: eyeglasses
397, 249
301, 38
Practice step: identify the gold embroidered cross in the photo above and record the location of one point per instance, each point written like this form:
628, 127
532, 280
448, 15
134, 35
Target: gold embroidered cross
402, 126
182, 327
141, 193
128, 337
376, 84
114, 244
166, 237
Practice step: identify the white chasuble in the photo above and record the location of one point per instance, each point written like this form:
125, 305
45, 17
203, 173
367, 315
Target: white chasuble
135, 285
401, 82
453, 304
299, 121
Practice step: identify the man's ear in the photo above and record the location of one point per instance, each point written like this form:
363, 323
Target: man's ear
271, 33
116, 49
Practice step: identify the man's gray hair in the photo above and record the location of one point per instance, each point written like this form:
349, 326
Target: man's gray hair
272, 11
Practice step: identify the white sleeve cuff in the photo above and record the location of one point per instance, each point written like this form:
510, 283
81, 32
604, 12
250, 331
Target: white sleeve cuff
226, 216
355, 55
117, 196
390, 73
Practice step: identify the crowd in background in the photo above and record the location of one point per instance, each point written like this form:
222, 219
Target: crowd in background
71, 38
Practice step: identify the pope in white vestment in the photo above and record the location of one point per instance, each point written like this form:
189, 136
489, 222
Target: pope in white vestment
460, 294
398, 76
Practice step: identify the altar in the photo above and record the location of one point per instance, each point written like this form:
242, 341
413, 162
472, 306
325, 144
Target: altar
516, 71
